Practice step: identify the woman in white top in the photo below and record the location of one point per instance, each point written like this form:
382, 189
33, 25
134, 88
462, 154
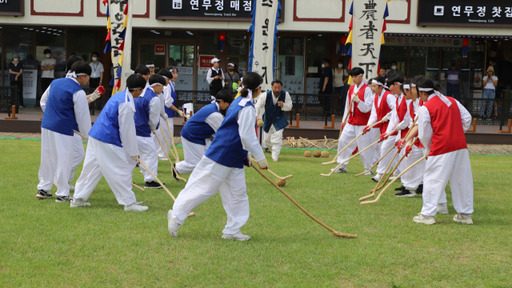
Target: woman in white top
340, 77
97, 71
490, 84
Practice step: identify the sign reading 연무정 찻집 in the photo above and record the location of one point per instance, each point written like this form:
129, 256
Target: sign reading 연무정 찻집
12, 7
224, 10
495, 13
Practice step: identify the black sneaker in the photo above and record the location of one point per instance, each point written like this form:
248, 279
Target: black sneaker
41, 194
267, 151
405, 193
153, 185
174, 173
400, 188
63, 199
419, 191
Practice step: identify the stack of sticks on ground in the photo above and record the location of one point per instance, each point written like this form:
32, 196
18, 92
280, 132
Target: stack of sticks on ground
325, 143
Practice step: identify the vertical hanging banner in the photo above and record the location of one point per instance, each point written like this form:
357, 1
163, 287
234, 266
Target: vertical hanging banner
366, 34
118, 41
264, 29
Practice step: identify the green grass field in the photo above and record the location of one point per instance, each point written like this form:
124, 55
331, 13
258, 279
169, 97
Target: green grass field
48, 244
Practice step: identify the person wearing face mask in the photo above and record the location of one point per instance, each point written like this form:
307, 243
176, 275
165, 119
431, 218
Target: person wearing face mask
326, 85
47, 72
394, 72
232, 79
340, 77
97, 71
16, 77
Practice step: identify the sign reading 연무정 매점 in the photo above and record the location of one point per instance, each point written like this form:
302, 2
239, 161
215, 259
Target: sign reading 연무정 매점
237, 10
497, 13
12, 7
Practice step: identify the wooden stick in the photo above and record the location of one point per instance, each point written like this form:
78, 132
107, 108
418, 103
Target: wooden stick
339, 165
310, 142
372, 192
170, 161
282, 178
138, 187
346, 117
166, 142
79, 134
394, 169
336, 233
172, 142
376, 163
390, 183
157, 180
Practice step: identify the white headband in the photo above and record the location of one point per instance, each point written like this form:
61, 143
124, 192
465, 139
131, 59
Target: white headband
73, 74
154, 84
413, 85
150, 65
165, 77
407, 86
377, 82
213, 98
250, 91
425, 89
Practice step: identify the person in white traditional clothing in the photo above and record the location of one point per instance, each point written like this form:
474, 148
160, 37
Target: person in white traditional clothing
66, 110
271, 107
222, 167
147, 118
197, 133
361, 97
112, 149
441, 124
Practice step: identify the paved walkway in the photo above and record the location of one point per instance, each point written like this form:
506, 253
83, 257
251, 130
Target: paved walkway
473, 148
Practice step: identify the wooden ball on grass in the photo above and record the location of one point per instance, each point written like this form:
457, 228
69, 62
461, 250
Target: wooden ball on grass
316, 153
307, 153
324, 154
280, 182
260, 123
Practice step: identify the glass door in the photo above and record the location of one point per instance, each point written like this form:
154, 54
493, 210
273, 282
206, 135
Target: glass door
182, 57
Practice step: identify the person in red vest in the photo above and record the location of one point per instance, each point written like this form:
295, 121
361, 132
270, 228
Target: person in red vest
384, 104
441, 124
361, 97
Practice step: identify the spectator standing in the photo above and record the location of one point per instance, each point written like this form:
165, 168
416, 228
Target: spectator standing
326, 85
232, 78
490, 84
452, 77
394, 72
47, 72
97, 71
340, 77
215, 77
16, 77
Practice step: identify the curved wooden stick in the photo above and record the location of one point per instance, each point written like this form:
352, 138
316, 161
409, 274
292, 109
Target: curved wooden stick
157, 180
372, 192
138, 187
277, 176
170, 161
376, 163
336, 233
399, 175
177, 157
391, 173
166, 142
346, 117
339, 165
346, 146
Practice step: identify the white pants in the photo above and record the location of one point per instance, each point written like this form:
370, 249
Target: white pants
205, 180
273, 140
456, 168
414, 177
60, 156
148, 156
162, 132
192, 153
114, 164
385, 146
348, 134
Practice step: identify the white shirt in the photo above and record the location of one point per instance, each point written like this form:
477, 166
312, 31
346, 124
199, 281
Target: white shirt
209, 77
363, 106
246, 123
48, 73
390, 100
215, 119
127, 128
96, 68
262, 100
490, 85
154, 112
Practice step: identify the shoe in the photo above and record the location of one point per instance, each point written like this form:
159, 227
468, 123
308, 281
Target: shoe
442, 208
428, 220
419, 191
41, 194
340, 170
135, 208
174, 174
369, 173
63, 199
400, 188
172, 224
274, 159
237, 236
153, 185
377, 177
463, 218
267, 151
78, 202
405, 193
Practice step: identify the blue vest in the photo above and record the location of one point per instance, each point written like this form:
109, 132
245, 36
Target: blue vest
106, 127
196, 130
273, 113
59, 115
142, 113
170, 113
226, 148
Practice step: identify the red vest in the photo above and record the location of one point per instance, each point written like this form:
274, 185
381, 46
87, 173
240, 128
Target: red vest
357, 117
448, 134
382, 111
413, 115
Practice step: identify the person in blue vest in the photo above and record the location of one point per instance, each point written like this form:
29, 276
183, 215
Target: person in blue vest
271, 107
112, 150
222, 167
197, 133
147, 118
66, 111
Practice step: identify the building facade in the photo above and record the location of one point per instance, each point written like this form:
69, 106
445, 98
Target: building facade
422, 37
